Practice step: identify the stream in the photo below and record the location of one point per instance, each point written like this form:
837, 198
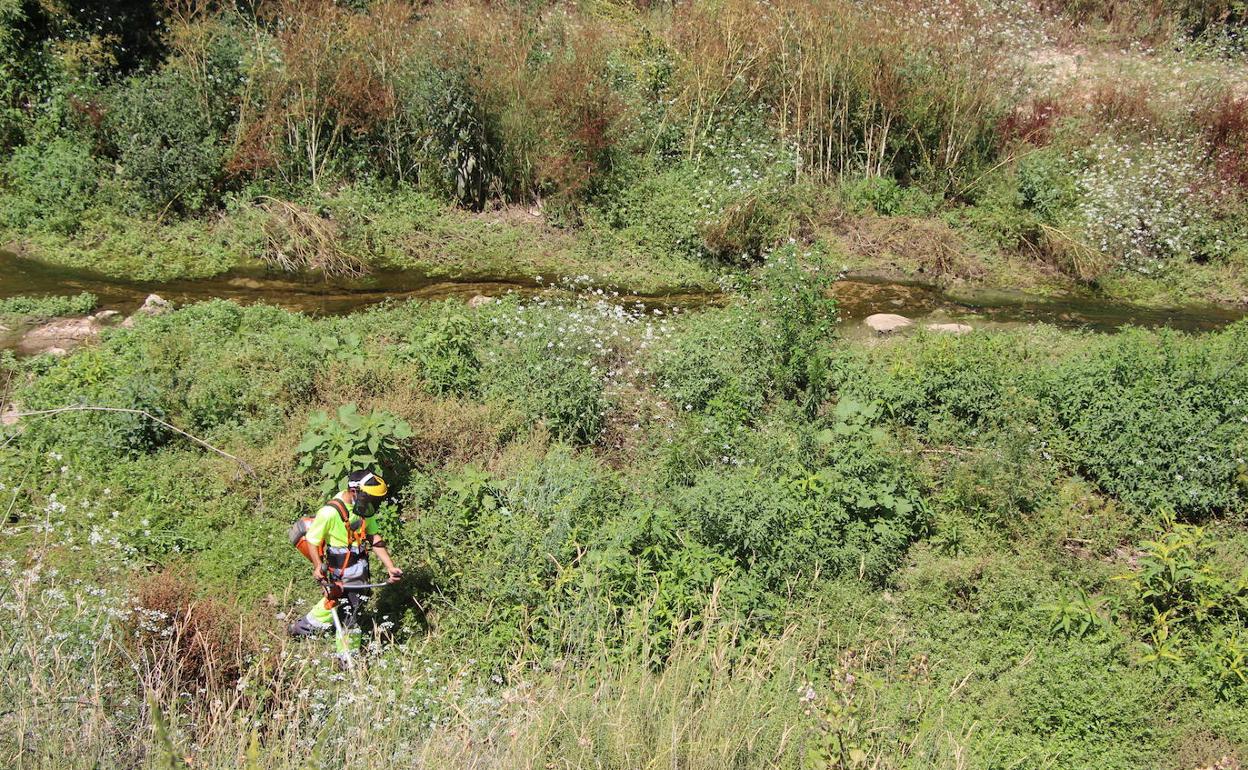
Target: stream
858, 297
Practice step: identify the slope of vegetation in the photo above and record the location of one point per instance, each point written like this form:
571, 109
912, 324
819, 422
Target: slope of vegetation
1042, 145
632, 537
723, 538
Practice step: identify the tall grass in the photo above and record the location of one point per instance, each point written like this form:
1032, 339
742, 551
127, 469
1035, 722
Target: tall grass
105, 680
854, 90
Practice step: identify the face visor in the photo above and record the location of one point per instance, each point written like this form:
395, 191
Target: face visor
370, 491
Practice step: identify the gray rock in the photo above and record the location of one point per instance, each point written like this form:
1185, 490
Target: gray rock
154, 305
67, 331
887, 323
950, 328
107, 317
58, 352
8, 416
479, 300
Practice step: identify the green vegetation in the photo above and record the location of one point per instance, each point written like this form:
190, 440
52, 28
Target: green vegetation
1044, 146
614, 519
37, 308
631, 536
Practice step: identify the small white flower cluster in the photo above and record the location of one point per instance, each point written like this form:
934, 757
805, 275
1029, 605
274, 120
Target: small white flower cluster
1144, 205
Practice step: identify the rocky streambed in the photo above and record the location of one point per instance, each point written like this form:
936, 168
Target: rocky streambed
57, 337
869, 305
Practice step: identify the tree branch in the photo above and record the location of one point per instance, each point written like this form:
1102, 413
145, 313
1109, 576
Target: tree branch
48, 412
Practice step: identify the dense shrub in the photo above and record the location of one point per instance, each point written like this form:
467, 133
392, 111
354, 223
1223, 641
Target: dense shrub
48, 307
717, 363
1144, 206
49, 184
505, 549
854, 516
1033, 205
798, 319
1152, 419
550, 383
945, 386
445, 346
201, 368
553, 360
169, 137
727, 202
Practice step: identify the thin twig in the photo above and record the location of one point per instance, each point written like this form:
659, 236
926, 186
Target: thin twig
47, 412
41, 704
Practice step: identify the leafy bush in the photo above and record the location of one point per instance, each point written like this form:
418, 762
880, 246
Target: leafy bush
89, 379
48, 307
169, 143
657, 577
1152, 420
50, 184
445, 347
333, 448
549, 364
799, 321
1188, 608
713, 364
1033, 205
564, 393
856, 515
887, 197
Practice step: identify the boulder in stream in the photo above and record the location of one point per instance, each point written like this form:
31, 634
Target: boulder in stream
887, 323
67, 331
950, 328
107, 317
154, 305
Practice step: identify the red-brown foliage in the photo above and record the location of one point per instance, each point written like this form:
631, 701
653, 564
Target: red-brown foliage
1225, 127
203, 639
1127, 105
333, 83
1032, 122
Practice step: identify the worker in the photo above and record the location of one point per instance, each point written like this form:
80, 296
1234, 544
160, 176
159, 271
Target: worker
337, 541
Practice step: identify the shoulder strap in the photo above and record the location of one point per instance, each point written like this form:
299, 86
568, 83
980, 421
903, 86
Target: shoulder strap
341, 507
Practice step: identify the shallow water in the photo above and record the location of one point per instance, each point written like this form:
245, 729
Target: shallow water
994, 308
858, 297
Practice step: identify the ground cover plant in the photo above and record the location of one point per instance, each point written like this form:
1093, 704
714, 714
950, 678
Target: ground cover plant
633, 535
697, 520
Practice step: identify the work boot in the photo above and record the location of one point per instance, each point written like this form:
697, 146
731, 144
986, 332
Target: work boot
307, 626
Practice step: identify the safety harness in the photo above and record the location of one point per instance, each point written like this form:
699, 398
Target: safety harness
357, 540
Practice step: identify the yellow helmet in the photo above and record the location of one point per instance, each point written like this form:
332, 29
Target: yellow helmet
369, 483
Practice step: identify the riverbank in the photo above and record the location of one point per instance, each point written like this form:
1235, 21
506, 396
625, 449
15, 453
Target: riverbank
858, 295
415, 243
736, 511
362, 238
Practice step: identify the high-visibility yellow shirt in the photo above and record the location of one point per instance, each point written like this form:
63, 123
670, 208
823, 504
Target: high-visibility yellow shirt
327, 527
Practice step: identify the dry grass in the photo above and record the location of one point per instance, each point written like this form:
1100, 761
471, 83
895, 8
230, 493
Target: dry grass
928, 247
197, 641
87, 696
299, 240
843, 84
